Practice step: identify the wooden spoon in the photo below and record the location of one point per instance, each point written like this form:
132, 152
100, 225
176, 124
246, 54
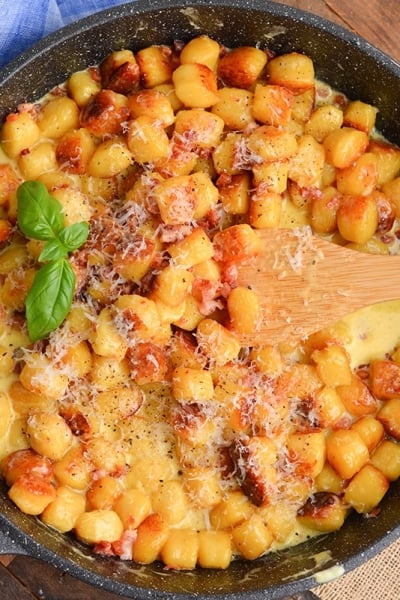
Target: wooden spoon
305, 283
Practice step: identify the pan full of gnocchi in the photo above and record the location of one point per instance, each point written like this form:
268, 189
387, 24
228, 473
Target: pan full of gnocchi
143, 445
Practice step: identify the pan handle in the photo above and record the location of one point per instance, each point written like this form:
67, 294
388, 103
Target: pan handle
10, 546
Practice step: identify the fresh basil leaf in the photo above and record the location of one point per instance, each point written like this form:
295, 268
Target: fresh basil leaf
53, 250
39, 214
49, 299
74, 236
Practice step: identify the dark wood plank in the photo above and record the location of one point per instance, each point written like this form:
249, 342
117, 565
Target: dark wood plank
321, 8
45, 582
6, 559
48, 583
11, 588
375, 20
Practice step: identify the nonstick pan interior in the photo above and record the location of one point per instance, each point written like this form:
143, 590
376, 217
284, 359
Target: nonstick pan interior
349, 64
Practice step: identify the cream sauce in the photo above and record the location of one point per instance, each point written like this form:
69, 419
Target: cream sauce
374, 331
329, 574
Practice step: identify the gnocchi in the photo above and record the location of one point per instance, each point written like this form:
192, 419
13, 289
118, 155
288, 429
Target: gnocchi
141, 424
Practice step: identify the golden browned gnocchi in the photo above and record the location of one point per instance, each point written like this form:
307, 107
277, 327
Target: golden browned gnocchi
140, 422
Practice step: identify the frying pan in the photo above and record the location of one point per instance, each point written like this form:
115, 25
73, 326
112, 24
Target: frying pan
351, 65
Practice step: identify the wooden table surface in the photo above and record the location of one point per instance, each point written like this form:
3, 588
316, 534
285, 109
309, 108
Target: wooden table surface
23, 578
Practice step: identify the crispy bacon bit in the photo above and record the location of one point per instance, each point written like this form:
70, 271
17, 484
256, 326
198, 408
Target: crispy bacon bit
386, 213
255, 474
230, 275
362, 371
307, 418
104, 548
208, 295
340, 100
224, 179
187, 418
387, 238
375, 512
211, 221
76, 421
179, 156
170, 234
59, 91
224, 463
105, 234
311, 193
94, 73
322, 91
324, 511
304, 196
28, 107
178, 45
123, 547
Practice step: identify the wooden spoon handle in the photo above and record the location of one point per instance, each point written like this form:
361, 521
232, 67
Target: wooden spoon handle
305, 283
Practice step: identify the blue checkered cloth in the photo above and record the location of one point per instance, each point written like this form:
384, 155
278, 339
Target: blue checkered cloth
24, 22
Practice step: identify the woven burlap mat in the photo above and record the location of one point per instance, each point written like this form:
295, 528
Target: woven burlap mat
377, 579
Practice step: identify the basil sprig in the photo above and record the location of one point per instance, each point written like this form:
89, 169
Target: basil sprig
40, 216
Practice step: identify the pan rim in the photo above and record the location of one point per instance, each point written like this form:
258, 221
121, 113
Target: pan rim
102, 18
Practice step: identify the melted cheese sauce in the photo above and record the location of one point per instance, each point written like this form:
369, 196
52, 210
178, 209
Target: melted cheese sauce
374, 331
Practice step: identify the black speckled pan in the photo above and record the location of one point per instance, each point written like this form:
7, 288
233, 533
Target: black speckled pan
351, 65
